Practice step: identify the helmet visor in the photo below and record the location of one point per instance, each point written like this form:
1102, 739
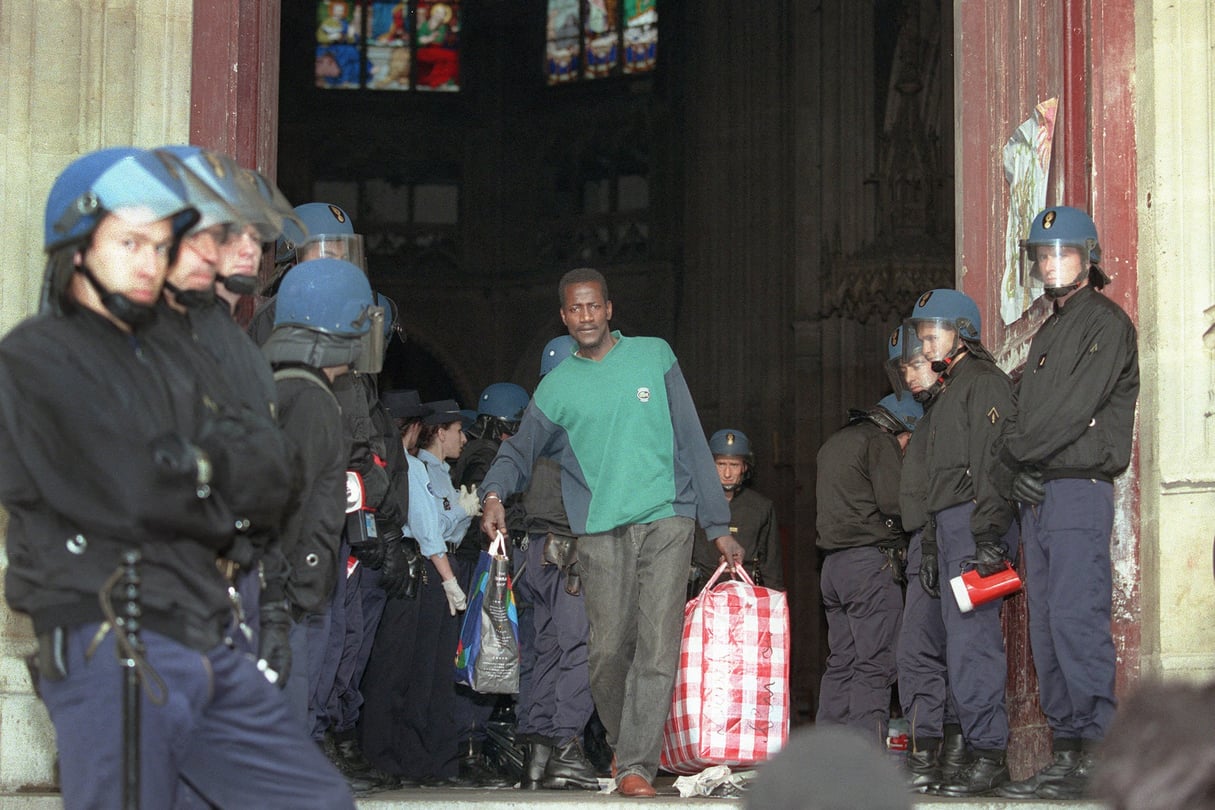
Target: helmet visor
273, 208
213, 209
934, 338
372, 343
345, 246
132, 189
1054, 264
914, 370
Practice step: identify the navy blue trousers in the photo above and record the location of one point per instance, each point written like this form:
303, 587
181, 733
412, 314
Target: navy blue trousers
923, 677
333, 682
864, 608
1070, 587
555, 695
223, 731
407, 726
974, 642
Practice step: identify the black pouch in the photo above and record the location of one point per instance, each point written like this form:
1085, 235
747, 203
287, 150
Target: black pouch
50, 659
559, 550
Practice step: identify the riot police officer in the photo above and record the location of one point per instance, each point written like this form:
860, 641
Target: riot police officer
108, 445
860, 538
1071, 438
937, 749
320, 319
554, 680
972, 522
752, 516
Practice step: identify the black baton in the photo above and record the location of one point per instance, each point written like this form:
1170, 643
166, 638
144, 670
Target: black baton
132, 611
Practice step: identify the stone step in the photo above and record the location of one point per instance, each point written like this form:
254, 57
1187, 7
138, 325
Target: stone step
506, 799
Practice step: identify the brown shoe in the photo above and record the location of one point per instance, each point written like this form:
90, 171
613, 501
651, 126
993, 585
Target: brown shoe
635, 787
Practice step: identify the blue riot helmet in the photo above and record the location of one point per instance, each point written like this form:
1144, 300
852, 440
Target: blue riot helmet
129, 183
276, 210
503, 400
1061, 249
324, 308
946, 323
731, 442
330, 235
214, 207
554, 352
897, 415
329, 296
499, 409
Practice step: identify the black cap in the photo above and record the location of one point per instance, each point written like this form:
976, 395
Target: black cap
404, 404
443, 412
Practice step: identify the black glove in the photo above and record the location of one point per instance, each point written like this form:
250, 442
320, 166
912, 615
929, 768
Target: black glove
896, 561
402, 569
991, 556
929, 575
1027, 487
373, 551
274, 647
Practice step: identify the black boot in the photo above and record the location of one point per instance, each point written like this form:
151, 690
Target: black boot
1060, 766
954, 754
923, 764
358, 770
568, 767
1073, 785
533, 768
475, 771
984, 774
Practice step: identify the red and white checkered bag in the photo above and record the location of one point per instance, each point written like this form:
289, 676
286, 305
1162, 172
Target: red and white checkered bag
731, 701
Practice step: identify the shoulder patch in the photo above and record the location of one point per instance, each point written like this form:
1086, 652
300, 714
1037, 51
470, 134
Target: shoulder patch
993, 415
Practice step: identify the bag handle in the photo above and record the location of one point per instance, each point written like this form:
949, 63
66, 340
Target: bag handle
497, 546
738, 571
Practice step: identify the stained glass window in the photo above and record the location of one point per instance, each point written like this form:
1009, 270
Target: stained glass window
592, 39
406, 45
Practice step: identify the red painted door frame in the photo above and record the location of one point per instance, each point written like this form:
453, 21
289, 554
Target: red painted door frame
1009, 59
234, 81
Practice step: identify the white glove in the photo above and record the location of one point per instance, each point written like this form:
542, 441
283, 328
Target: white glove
469, 500
456, 600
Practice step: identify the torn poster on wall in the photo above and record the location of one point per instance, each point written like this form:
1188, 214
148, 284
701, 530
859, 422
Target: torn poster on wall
1026, 168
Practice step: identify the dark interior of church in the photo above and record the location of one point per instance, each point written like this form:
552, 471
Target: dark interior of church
770, 197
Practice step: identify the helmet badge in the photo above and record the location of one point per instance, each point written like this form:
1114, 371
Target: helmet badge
894, 338
338, 213
923, 300
1048, 221
729, 440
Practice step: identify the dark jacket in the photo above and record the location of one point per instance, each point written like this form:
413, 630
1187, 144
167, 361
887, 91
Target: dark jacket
1076, 398
312, 534
86, 472
858, 488
753, 525
966, 418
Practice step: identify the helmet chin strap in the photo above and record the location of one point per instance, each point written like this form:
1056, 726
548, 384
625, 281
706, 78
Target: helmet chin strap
190, 299
123, 308
731, 487
239, 284
1061, 292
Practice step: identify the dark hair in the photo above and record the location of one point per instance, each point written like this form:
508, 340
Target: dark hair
582, 275
428, 432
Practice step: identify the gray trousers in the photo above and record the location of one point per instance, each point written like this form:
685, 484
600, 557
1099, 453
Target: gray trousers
634, 579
